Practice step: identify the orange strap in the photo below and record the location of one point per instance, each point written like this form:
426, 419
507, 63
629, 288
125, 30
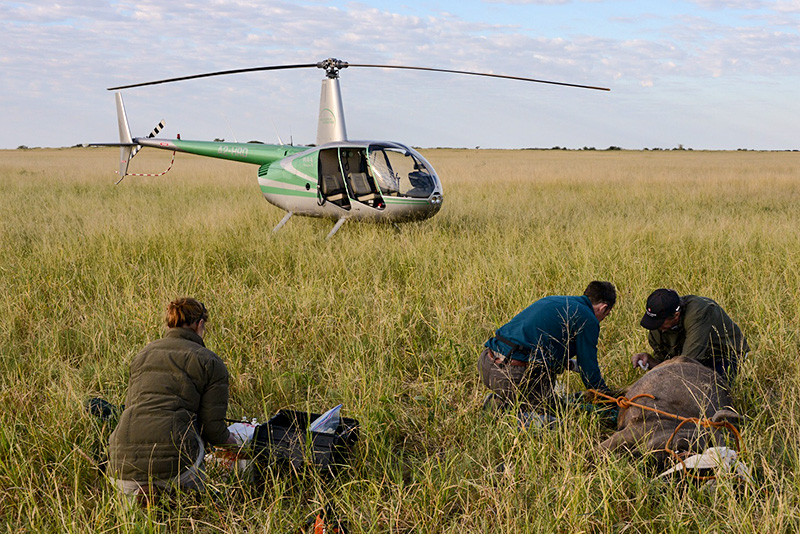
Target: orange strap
624, 402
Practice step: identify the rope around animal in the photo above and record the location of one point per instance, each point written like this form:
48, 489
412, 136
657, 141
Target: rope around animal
624, 402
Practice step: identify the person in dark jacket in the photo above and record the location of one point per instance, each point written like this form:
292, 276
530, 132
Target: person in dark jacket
523, 358
176, 402
691, 326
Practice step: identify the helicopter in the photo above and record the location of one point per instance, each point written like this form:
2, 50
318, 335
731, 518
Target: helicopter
336, 178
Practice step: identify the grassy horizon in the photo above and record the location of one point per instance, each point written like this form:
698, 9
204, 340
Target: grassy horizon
389, 321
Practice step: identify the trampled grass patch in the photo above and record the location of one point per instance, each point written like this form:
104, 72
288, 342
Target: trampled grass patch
389, 321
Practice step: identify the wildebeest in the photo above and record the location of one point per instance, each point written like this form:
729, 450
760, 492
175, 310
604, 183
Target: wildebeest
680, 386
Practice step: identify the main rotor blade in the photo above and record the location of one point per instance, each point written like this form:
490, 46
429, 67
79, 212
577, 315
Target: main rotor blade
333, 66
218, 73
480, 74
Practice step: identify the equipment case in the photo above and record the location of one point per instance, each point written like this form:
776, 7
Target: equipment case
285, 438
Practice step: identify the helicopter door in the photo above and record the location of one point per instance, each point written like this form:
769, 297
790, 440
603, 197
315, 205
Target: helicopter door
400, 173
359, 180
331, 183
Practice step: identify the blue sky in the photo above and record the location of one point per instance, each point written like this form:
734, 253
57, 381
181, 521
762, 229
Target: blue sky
705, 74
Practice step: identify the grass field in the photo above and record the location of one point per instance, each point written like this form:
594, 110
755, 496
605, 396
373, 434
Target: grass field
389, 321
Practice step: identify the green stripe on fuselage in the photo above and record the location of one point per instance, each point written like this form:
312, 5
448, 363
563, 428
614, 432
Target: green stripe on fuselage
395, 200
245, 152
267, 189
277, 174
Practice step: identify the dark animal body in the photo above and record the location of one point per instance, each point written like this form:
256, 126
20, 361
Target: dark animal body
680, 386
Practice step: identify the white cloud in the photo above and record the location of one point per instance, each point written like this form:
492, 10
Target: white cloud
58, 60
730, 4
534, 2
786, 6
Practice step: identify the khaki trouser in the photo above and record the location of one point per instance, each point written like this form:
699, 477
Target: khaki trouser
531, 385
191, 479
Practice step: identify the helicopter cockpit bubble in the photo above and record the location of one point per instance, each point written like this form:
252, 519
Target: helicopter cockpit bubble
400, 171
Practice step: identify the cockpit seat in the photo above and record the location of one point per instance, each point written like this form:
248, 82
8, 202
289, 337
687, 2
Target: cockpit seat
362, 190
332, 188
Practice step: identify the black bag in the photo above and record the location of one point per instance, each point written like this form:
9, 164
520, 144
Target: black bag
285, 439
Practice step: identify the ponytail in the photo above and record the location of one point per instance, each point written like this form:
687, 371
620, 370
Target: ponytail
185, 311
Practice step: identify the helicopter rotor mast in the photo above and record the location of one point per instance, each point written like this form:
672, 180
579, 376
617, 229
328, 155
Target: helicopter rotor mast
331, 126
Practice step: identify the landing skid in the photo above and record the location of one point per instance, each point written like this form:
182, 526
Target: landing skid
283, 221
289, 214
336, 227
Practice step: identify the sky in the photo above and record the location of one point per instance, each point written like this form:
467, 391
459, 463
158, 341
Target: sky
700, 74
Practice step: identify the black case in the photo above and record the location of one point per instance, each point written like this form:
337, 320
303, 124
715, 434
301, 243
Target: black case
285, 438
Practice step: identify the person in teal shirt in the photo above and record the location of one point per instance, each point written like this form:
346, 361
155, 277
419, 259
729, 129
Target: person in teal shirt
522, 360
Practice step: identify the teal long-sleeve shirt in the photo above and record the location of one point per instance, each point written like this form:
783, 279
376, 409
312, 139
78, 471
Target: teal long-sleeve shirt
555, 329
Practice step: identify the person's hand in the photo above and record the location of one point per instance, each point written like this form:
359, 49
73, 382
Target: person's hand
642, 360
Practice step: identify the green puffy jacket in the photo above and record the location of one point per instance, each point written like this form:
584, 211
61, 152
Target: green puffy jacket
178, 389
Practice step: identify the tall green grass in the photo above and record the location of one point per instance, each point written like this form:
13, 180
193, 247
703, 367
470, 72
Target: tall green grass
389, 321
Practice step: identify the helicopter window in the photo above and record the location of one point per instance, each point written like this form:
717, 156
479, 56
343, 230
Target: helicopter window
399, 173
388, 181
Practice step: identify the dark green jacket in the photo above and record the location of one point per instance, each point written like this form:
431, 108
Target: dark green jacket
704, 332
178, 389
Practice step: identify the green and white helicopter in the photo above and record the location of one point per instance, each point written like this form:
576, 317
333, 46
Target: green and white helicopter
336, 178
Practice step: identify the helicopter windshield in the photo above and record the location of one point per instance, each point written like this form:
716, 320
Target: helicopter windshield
400, 173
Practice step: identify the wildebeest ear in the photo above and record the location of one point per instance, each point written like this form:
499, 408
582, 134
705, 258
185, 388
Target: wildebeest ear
726, 415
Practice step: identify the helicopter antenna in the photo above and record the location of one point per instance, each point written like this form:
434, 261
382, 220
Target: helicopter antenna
231, 128
278, 135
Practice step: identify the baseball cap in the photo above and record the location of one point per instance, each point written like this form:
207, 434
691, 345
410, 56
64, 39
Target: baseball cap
661, 305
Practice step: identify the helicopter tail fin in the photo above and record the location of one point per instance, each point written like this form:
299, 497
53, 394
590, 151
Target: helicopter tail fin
126, 149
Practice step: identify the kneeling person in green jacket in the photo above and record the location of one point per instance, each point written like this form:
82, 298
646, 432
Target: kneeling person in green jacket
177, 400
691, 326
521, 361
